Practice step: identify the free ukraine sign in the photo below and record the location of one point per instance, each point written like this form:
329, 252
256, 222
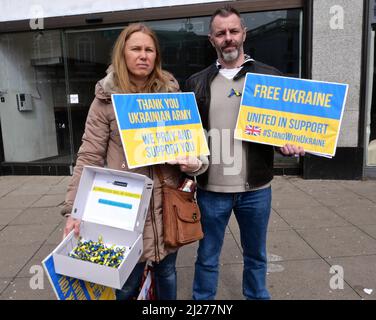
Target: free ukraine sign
159, 127
278, 110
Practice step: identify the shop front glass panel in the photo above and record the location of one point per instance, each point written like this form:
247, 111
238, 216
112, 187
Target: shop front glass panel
60, 76
33, 106
88, 55
273, 37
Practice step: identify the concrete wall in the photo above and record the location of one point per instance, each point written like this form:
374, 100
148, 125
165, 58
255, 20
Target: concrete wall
336, 55
30, 135
26, 9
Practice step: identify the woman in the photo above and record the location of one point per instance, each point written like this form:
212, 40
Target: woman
136, 67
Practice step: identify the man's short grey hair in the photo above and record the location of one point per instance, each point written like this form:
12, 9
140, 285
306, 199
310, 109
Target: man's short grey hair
225, 12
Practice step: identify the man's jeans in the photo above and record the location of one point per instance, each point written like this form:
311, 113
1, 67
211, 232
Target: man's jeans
252, 210
164, 280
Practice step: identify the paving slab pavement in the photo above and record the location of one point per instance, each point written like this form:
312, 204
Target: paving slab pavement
315, 227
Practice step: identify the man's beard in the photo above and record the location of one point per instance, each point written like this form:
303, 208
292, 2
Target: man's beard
230, 56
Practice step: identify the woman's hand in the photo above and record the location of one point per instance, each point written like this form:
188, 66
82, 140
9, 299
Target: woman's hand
72, 224
187, 163
292, 150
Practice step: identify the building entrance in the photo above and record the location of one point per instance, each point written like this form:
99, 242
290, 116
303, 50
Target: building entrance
55, 72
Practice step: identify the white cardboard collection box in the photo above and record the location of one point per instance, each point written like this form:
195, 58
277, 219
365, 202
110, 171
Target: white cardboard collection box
113, 205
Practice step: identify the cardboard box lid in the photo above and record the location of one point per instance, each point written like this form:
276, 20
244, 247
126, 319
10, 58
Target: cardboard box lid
114, 198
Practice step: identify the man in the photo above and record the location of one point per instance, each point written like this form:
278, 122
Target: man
245, 187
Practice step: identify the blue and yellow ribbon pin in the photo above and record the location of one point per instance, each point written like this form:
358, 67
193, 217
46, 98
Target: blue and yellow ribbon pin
234, 92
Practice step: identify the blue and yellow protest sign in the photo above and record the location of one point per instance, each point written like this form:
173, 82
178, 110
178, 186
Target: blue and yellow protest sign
67, 288
278, 110
159, 127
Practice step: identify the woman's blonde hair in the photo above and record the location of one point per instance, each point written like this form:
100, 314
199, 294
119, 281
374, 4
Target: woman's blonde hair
158, 80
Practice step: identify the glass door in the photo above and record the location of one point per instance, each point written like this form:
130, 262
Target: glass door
185, 50
88, 55
33, 109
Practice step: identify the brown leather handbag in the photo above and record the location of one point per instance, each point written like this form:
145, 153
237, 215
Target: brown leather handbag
181, 215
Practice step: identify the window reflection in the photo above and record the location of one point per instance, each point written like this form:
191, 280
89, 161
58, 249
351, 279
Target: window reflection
33, 63
29, 79
272, 37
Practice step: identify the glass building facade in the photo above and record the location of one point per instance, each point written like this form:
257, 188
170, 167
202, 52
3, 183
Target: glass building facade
48, 79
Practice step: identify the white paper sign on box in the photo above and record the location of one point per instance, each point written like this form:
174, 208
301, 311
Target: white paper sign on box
112, 204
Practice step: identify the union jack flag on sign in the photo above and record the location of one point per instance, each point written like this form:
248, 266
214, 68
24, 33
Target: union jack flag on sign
252, 130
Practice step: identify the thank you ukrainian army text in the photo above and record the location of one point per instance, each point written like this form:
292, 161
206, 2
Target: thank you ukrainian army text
158, 127
280, 110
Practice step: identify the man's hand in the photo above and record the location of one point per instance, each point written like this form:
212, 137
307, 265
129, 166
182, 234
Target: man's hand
187, 163
292, 150
71, 224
